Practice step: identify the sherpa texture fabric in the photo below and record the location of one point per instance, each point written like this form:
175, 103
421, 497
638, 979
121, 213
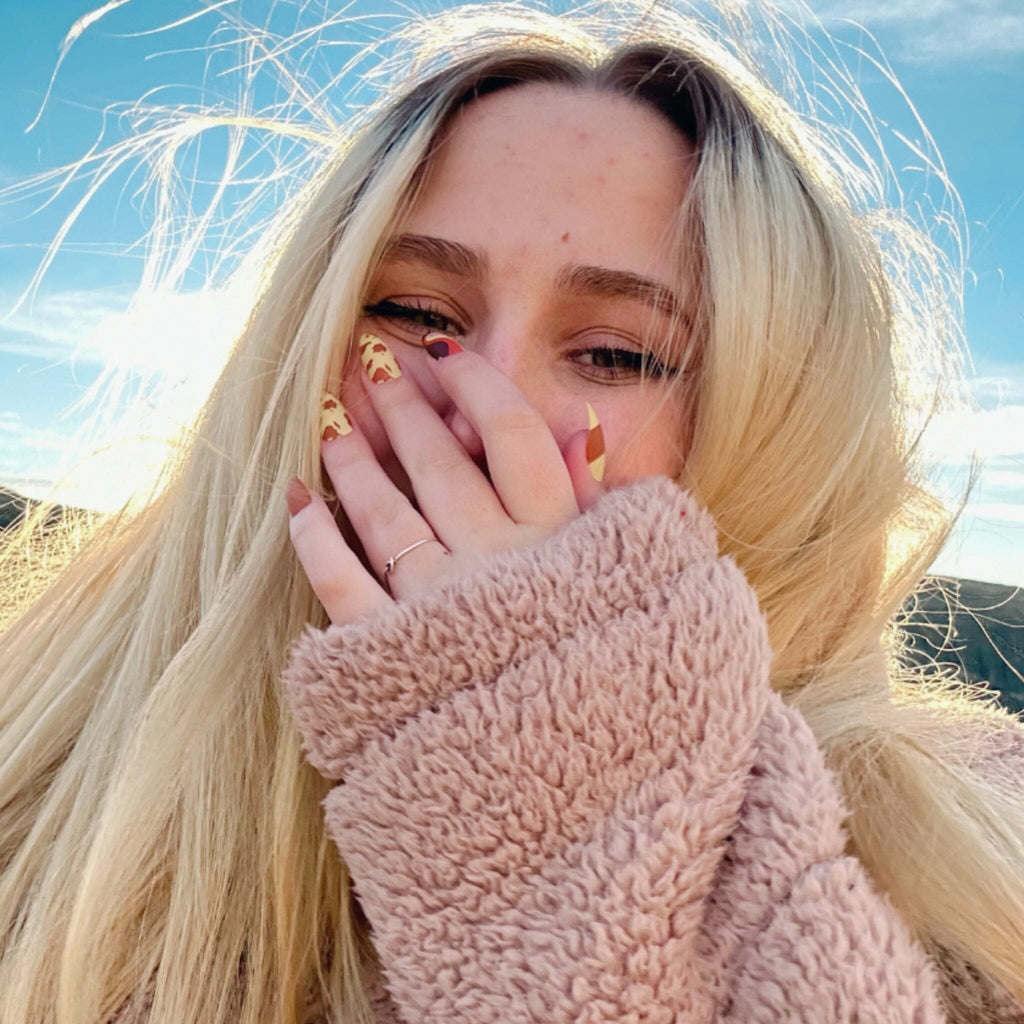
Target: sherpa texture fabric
566, 792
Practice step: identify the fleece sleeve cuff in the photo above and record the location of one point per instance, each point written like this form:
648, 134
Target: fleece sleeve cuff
627, 552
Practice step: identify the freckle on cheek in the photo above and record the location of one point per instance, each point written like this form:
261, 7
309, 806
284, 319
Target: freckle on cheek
565, 237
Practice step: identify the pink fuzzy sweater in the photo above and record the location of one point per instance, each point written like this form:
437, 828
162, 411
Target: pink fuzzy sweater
567, 793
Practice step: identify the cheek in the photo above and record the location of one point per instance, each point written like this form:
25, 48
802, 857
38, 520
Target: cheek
647, 444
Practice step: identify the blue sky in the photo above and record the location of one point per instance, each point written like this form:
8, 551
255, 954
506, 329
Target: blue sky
961, 62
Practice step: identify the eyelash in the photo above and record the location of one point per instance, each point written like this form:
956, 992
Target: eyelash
413, 316
625, 362
619, 363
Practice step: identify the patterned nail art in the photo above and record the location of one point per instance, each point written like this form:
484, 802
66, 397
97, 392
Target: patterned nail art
334, 421
440, 345
378, 360
595, 445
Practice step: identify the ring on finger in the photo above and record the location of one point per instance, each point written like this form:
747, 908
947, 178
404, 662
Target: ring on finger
390, 564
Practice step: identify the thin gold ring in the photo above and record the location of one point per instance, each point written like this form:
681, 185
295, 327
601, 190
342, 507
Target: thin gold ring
393, 560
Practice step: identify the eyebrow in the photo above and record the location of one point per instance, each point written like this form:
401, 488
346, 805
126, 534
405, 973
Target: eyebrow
581, 279
437, 252
578, 278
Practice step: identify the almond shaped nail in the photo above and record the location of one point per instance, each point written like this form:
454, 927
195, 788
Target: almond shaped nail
334, 421
378, 360
595, 445
296, 496
440, 346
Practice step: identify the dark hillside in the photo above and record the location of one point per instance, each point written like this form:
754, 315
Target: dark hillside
13, 506
976, 627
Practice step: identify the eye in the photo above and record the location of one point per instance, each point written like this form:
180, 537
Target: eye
414, 316
607, 362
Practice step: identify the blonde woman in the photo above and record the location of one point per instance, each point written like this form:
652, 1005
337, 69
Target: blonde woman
582, 379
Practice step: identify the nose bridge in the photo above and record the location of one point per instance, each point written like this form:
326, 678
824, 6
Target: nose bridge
510, 346
509, 343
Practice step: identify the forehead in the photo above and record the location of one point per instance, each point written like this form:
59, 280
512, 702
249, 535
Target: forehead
533, 162
546, 104
595, 123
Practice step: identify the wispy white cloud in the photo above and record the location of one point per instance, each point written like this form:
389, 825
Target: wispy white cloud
994, 385
988, 541
932, 30
17, 432
60, 325
982, 550
174, 343
79, 467
992, 430
1007, 479
30, 455
168, 334
1000, 513
954, 438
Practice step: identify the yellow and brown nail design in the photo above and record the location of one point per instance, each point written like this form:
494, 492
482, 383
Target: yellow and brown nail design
595, 445
334, 421
378, 360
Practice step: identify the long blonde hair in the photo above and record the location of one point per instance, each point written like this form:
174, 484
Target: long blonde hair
160, 837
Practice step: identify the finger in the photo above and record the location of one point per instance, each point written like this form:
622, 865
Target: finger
345, 589
415, 567
584, 456
524, 461
383, 518
453, 494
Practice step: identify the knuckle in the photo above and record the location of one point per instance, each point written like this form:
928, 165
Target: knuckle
383, 511
328, 580
440, 460
330, 589
395, 402
516, 421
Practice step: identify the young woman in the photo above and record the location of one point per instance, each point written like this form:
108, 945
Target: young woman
582, 377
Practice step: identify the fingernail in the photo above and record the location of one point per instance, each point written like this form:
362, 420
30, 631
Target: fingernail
378, 360
441, 345
334, 421
296, 496
595, 445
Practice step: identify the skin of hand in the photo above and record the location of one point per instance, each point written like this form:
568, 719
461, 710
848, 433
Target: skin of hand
538, 251
534, 488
